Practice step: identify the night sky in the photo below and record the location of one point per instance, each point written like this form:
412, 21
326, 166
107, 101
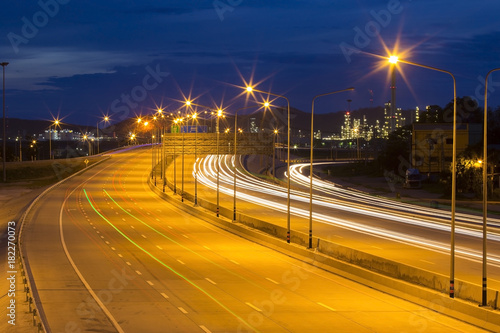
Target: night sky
82, 59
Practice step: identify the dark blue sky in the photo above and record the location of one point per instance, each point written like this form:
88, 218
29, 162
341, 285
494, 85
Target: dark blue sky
80, 59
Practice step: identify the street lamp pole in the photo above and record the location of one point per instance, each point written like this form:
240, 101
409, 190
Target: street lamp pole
312, 158
175, 159
251, 89
484, 300
235, 150
4, 156
55, 123
194, 116
274, 152
219, 114
394, 60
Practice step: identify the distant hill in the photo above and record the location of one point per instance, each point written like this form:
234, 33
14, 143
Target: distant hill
276, 119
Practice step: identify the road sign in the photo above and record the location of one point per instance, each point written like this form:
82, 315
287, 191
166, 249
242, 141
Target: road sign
86, 162
194, 129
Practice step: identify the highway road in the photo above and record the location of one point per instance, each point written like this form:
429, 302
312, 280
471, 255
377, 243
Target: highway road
409, 234
108, 255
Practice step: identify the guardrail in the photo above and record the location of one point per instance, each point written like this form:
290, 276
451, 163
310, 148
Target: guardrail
32, 297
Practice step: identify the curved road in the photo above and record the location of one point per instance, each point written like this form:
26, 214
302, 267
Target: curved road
108, 255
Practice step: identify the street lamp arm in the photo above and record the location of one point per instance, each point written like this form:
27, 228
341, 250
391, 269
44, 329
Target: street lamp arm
331, 93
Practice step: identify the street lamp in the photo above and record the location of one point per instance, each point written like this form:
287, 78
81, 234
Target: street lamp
4, 156
251, 89
175, 159
312, 157
274, 152
86, 138
55, 123
485, 185
266, 104
394, 60
193, 116
105, 119
219, 114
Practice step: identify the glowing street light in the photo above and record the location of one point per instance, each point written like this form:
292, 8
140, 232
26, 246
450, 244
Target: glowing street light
251, 89
485, 186
394, 60
312, 158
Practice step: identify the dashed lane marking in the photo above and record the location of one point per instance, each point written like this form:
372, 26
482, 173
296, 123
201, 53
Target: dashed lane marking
253, 306
212, 282
326, 306
268, 279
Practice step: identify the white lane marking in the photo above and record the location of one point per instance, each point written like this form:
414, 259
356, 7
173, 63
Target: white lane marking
206, 247
128, 263
253, 306
102, 237
164, 295
268, 279
169, 227
77, 271
158, 246
326, 306
91, 223
144, 236
158, 220
150, 283
132, 227
117, 213
138, 273
185, 236
98, 231
123, 219
106, 242
148, 213
112, 248
180, 261
429, 262
206, 330
182, 310
212, 282
234, 262
119, 255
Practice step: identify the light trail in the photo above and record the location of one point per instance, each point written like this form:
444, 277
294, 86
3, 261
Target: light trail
330, 188
254, 188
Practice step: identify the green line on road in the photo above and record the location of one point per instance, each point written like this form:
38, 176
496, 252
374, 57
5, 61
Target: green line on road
166, 266
184, 247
